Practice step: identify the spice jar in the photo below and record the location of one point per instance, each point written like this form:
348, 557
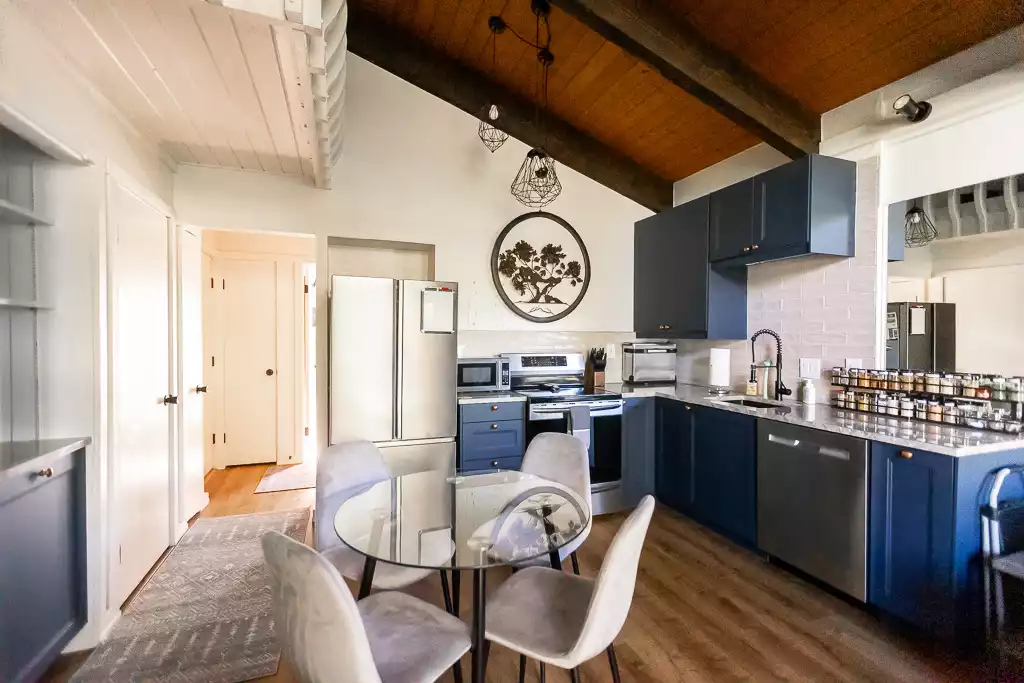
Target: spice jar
892, 406
907, 380
970, 415
1014, 388
894, 380
1013, 427
947, 385
921, 409
881, 402
862, 402
919, 381
932, 382
950, 413
934, 411
984, 389
854, 374
995, 421
970, 389
906, 407
998, 388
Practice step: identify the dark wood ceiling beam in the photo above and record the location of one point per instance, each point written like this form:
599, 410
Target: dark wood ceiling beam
713, 76
407, 57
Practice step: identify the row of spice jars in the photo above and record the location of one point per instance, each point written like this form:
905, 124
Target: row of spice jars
948, 412
993, 387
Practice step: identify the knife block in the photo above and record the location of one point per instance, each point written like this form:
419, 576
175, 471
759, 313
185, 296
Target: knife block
593, 379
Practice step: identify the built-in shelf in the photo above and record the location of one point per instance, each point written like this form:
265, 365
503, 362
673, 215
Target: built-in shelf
12, 214
25, 304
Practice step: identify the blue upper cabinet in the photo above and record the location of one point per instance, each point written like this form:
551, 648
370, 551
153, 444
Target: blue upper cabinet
804, 207
677, 294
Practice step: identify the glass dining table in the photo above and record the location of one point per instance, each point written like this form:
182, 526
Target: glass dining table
472, 522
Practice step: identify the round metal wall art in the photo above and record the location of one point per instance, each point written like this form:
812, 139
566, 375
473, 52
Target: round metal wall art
540, 267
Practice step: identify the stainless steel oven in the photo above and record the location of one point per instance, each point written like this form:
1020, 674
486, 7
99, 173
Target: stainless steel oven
482, 374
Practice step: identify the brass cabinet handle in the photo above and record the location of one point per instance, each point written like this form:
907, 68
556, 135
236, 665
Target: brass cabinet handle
906, 454
493, 408
494, 426
686, 407
664, 327
755, 247
47, 473
746, 248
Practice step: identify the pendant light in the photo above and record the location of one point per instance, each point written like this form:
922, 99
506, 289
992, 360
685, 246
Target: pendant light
536, 184
491, 122
919, 229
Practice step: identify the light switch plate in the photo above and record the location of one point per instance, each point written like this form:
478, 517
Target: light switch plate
854, 363
810, 368
609, 351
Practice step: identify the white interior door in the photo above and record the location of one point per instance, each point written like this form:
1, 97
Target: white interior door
193, 391
250, 362
213, 374
141, 369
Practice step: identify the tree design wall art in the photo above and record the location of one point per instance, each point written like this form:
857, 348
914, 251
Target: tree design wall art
540, 267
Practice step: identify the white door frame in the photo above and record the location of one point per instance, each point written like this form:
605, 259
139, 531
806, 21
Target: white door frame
183, 391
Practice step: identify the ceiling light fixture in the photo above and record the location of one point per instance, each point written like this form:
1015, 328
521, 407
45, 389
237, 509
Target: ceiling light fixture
491, 125
919, 229
910, 109
536, 184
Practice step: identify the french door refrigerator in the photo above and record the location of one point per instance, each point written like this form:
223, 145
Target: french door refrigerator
393, 369
920, 336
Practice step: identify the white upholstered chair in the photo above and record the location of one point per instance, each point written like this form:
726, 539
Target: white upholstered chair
564, 620
562, 458
389, 637
342, 471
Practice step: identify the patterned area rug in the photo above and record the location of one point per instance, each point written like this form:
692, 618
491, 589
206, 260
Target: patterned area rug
206, 614
288, 478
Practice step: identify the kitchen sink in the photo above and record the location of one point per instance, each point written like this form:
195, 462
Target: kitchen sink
750, 403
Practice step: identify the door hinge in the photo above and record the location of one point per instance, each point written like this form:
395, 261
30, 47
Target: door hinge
214, 439
120, 554
305, 289
213, 361
224, 438
223, 284
307, 431
211, 283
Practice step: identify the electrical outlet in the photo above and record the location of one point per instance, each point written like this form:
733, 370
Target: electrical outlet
810, 368
609, 350
854, 363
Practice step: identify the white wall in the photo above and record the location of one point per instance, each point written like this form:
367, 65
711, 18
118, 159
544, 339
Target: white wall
413, 170
746, 164
38, 82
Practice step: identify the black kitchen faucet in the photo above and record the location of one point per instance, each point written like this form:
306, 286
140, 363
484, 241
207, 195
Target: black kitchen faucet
780, 388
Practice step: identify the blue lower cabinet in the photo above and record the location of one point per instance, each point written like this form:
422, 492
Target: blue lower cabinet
673, 455
911, 535
724, 474
493, 444
638, 449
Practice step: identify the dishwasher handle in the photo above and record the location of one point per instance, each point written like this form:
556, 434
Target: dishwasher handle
837, 453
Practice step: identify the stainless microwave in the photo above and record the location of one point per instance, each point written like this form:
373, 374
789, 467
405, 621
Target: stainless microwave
483, 374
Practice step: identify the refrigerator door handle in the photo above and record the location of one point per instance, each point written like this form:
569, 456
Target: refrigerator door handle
399, 354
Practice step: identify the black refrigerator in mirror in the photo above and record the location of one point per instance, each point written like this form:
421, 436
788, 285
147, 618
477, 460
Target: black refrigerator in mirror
921, 336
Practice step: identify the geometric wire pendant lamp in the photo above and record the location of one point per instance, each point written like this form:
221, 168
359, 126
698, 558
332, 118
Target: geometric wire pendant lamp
491, 123
536, 184
919, 229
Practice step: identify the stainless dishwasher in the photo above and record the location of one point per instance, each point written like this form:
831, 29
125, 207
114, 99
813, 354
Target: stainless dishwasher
812, 502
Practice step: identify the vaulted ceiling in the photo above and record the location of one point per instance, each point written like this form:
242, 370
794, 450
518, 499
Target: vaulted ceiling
613, 97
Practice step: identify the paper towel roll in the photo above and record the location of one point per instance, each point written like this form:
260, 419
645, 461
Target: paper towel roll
719, 368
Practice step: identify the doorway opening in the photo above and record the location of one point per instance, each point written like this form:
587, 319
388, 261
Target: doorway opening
258, 348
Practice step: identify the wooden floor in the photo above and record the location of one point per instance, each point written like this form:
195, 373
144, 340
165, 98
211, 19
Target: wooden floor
703, 610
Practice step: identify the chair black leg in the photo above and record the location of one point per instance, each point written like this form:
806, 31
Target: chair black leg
522, 668
445, 592
613, 663
456, 590
575, 564
457, 672
543, 674
574, 675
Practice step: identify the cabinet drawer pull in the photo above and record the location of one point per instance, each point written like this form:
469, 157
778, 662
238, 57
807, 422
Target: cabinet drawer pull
494, 463
47, 473
755, 247
494, 426
907, 454
493, 408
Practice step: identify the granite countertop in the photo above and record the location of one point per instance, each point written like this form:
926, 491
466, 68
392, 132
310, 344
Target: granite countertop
18, 457
954, 441
471, 397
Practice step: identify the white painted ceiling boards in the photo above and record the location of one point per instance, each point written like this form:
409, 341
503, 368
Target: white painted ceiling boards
248, 84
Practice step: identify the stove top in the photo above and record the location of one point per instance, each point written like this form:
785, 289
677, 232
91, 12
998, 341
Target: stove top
566, 393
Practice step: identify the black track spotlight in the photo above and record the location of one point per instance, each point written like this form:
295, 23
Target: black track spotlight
911, 110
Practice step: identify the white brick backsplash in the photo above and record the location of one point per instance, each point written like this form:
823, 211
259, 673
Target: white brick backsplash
823, 307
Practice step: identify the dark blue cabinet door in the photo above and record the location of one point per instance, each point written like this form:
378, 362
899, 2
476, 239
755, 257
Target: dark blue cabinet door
782, 206
673, 478
911, 538
725, 472
670, 273
638, 449
731, 221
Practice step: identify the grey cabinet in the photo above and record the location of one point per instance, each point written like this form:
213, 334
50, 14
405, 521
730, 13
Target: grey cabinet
43, 571
806, 206
677, 294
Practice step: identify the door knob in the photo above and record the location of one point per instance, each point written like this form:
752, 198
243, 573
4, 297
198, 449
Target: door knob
201, 389
269, 372
47, 473
170, 399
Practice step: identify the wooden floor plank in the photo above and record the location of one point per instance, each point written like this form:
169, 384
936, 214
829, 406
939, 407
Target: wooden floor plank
704, 611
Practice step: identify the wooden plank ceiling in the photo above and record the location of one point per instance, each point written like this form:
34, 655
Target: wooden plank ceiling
216, 86
819, 53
